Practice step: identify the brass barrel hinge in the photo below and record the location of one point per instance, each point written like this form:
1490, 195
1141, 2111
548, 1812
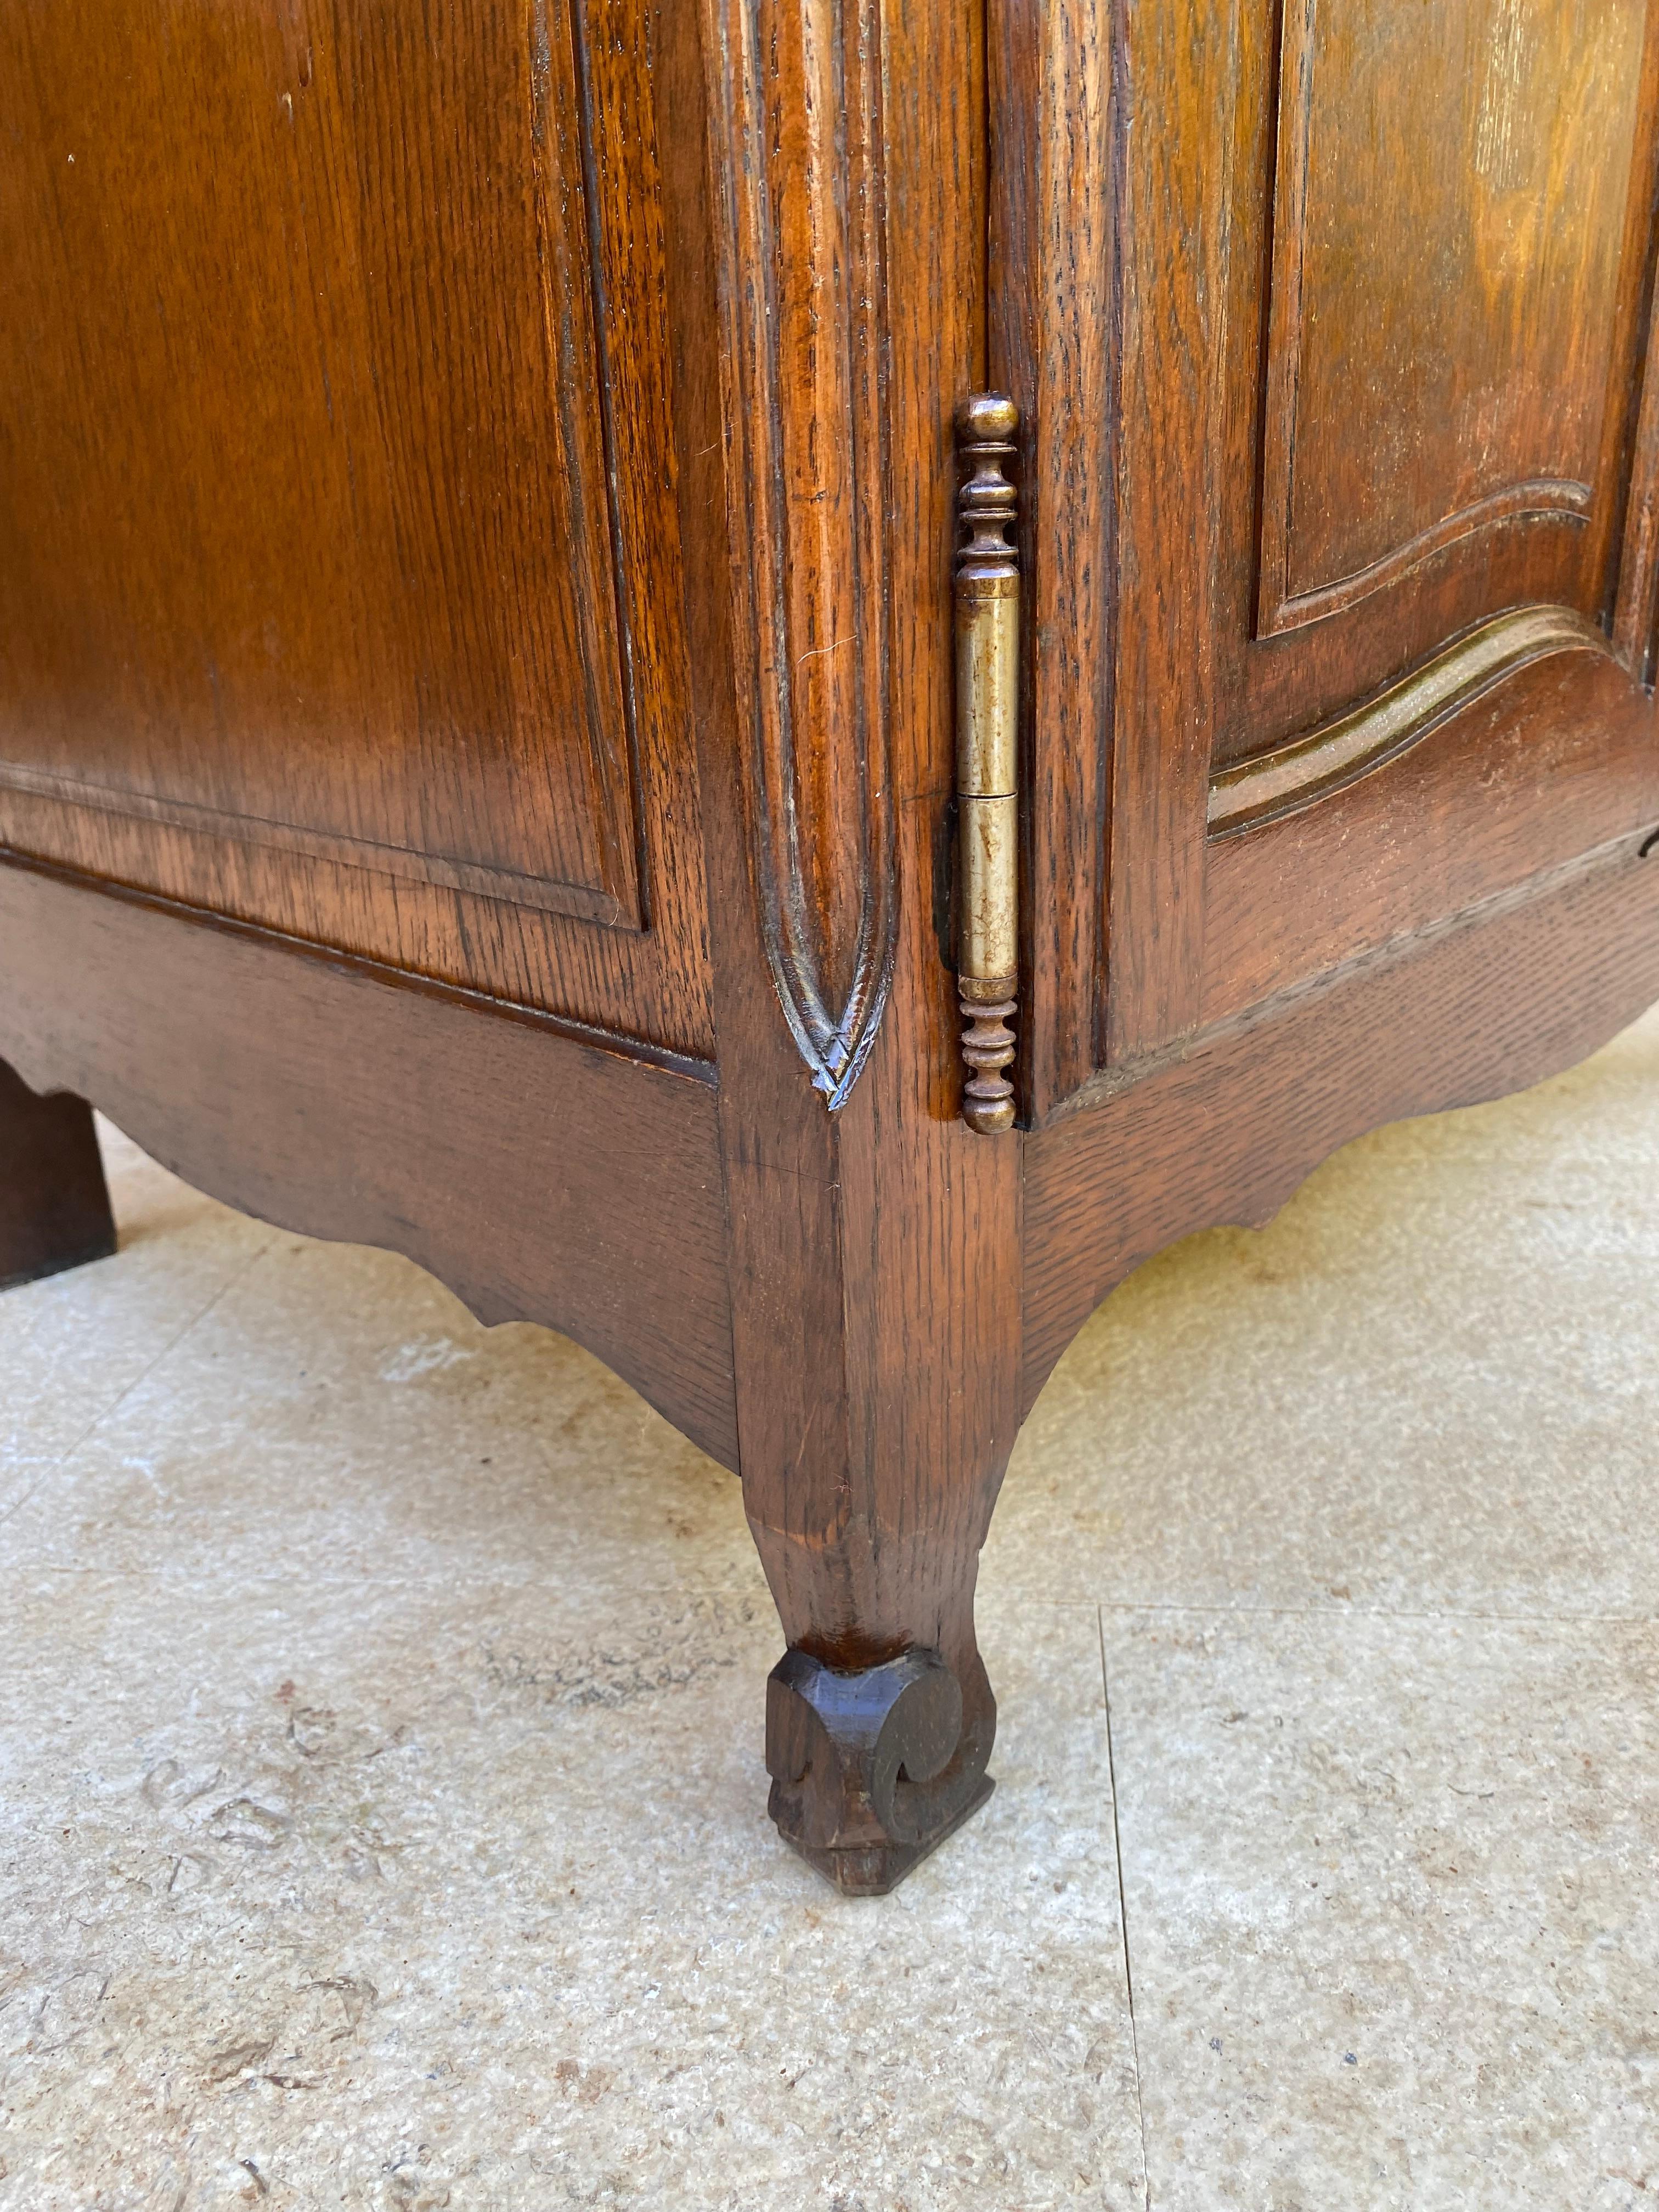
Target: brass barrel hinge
987, 759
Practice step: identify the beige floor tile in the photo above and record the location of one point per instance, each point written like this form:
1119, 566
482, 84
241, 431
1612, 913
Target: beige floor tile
416, 1895
381, 1814
338, 1413
72, 1346
1432, 1380
1394, 1920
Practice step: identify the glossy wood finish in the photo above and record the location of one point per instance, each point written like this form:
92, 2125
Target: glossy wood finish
360, 446
54, 1208
1265, 364
611, 578
1556, 759
1401, 416
1299, 774
806, 351
1383, 384
1055, 331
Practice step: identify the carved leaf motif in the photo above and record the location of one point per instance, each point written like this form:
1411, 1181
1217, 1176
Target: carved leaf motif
799, 93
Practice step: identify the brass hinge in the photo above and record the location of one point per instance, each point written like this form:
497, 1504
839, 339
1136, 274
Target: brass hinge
987, 761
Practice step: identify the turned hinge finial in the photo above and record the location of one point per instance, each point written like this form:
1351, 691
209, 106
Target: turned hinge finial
987, 759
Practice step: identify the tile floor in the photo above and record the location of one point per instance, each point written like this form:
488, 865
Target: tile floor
381, 1807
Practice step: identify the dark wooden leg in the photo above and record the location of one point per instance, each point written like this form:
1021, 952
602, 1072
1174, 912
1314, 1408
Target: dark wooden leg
876, 1336
875, 1281
879, 1718
873, 1765
876, 1287
875, 1251
54, 1207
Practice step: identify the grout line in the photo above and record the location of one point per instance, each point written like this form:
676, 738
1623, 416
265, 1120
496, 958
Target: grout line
107, 1413
1123, 1912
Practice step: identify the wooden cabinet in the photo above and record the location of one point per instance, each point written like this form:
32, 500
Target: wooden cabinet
342, 586
483, 760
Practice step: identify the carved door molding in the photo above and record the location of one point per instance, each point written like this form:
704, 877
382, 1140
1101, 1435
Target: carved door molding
1511, 228
798, 96
540, 464
341, 573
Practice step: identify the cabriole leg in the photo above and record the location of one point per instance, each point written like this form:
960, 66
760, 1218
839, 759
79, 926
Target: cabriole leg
873, 1458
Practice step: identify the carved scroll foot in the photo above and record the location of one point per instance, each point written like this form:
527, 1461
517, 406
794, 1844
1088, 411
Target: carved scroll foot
54, 1208
872, 1770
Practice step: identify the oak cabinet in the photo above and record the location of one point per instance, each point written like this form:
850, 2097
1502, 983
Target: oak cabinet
488, 765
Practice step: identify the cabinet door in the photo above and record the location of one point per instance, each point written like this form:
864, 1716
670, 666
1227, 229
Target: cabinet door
1376, 280
339, 581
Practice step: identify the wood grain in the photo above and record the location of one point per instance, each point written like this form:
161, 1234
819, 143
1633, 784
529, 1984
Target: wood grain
1558, 758
1636, 606
1257, 290
1227, 1128
339, 563
1447, 478
1055, 343
342, 1104
1303, 771
1402, 412
571, 384
874, 1295
803, 171
1188, 71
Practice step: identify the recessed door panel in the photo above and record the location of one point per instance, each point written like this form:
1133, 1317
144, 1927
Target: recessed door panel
339, 561
1450, 210
1361, 292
